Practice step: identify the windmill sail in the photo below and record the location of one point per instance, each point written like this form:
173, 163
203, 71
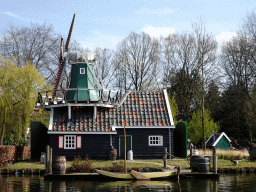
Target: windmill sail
62, 58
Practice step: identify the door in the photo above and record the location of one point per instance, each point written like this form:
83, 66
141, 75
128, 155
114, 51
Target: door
121, 145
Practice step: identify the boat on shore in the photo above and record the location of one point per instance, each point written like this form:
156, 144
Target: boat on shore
129, 176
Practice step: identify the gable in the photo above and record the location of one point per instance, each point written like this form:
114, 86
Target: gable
216, 137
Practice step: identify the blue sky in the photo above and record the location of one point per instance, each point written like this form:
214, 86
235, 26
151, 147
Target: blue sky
105, 23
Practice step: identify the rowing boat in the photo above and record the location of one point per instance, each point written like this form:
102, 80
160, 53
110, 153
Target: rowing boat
129, 176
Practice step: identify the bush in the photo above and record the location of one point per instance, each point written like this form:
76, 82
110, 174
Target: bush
117, 166
80, 165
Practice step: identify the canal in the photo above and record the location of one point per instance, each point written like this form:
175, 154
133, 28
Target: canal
239, 182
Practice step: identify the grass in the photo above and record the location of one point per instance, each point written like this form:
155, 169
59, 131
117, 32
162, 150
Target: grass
223, 162
227, 154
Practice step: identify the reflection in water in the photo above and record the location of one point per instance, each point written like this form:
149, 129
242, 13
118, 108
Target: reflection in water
244, 182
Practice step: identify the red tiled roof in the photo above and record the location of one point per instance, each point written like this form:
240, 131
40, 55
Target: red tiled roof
137, 109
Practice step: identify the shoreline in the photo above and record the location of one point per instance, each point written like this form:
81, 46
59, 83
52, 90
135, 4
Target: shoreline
184, 171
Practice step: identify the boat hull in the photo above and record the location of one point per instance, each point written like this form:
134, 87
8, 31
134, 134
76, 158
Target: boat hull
151, 175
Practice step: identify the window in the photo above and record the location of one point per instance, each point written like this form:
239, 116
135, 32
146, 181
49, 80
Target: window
155, 140
82, 70
70, 142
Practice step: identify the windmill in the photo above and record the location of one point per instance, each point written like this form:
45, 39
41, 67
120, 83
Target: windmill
84, 85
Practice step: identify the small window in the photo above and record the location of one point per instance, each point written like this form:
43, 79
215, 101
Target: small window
70, 142
155, 140
82, 70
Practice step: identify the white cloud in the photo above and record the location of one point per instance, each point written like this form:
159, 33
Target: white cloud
158, 12
15, 16
225, 36
158, 31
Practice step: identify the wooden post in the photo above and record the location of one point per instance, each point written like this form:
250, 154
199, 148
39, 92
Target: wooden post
165, 157
191, 152
125, 170
47, 159
50, 161
214, 158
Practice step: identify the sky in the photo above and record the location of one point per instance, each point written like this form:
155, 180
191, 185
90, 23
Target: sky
105, 23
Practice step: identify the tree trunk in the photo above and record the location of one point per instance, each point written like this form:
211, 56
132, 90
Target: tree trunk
2, 137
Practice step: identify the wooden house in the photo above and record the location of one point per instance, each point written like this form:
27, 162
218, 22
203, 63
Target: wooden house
86, 119
218, 140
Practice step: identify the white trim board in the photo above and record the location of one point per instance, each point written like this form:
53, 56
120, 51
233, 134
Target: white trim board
114, 127
81, 132
168, 106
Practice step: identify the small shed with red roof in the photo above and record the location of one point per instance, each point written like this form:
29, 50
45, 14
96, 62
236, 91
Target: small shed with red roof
219, 140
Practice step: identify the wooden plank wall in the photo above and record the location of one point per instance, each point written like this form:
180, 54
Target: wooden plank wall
140, 147
96, 146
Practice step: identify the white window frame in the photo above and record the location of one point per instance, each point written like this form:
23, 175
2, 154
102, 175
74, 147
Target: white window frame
66, 141
153, 140
82, 70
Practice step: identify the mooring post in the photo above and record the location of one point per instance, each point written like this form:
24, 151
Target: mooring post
214, 157
165, 157
50, 160
47, 159
191, 153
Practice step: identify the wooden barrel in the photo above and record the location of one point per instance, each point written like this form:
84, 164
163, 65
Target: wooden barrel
59, 165
113, 154
194, 162
203, 165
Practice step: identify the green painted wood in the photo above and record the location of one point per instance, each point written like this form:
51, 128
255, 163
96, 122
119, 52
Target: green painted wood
180, 140
82, 81
128, 144
223, 143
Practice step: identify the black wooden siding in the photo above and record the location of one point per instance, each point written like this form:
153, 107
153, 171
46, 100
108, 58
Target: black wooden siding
96, 146
140, 147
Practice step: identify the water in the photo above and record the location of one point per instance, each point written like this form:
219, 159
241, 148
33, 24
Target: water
241, 183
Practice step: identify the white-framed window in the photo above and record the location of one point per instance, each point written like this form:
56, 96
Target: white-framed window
69, 142
82, 70
155, 140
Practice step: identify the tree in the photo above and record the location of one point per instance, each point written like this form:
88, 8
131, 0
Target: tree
7, 85
238, 61
180, 70
213, 100
206, 47
18, 95
195, 128
137, 60
250, 116
105, 69
37, 44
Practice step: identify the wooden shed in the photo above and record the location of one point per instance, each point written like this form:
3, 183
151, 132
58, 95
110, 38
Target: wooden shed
219, 141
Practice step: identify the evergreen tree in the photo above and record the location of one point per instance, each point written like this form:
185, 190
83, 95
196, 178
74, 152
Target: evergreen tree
213, 101
195, 129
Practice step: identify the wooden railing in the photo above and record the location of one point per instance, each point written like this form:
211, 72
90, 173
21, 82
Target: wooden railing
104, 95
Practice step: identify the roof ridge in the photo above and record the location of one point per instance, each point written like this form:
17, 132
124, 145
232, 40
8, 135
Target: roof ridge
124, 97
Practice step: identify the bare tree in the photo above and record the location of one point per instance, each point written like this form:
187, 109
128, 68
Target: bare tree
138, 60
105, 64
206, 47
36, 44
180, 69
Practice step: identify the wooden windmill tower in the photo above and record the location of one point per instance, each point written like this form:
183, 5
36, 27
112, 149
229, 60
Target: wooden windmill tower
85, 88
